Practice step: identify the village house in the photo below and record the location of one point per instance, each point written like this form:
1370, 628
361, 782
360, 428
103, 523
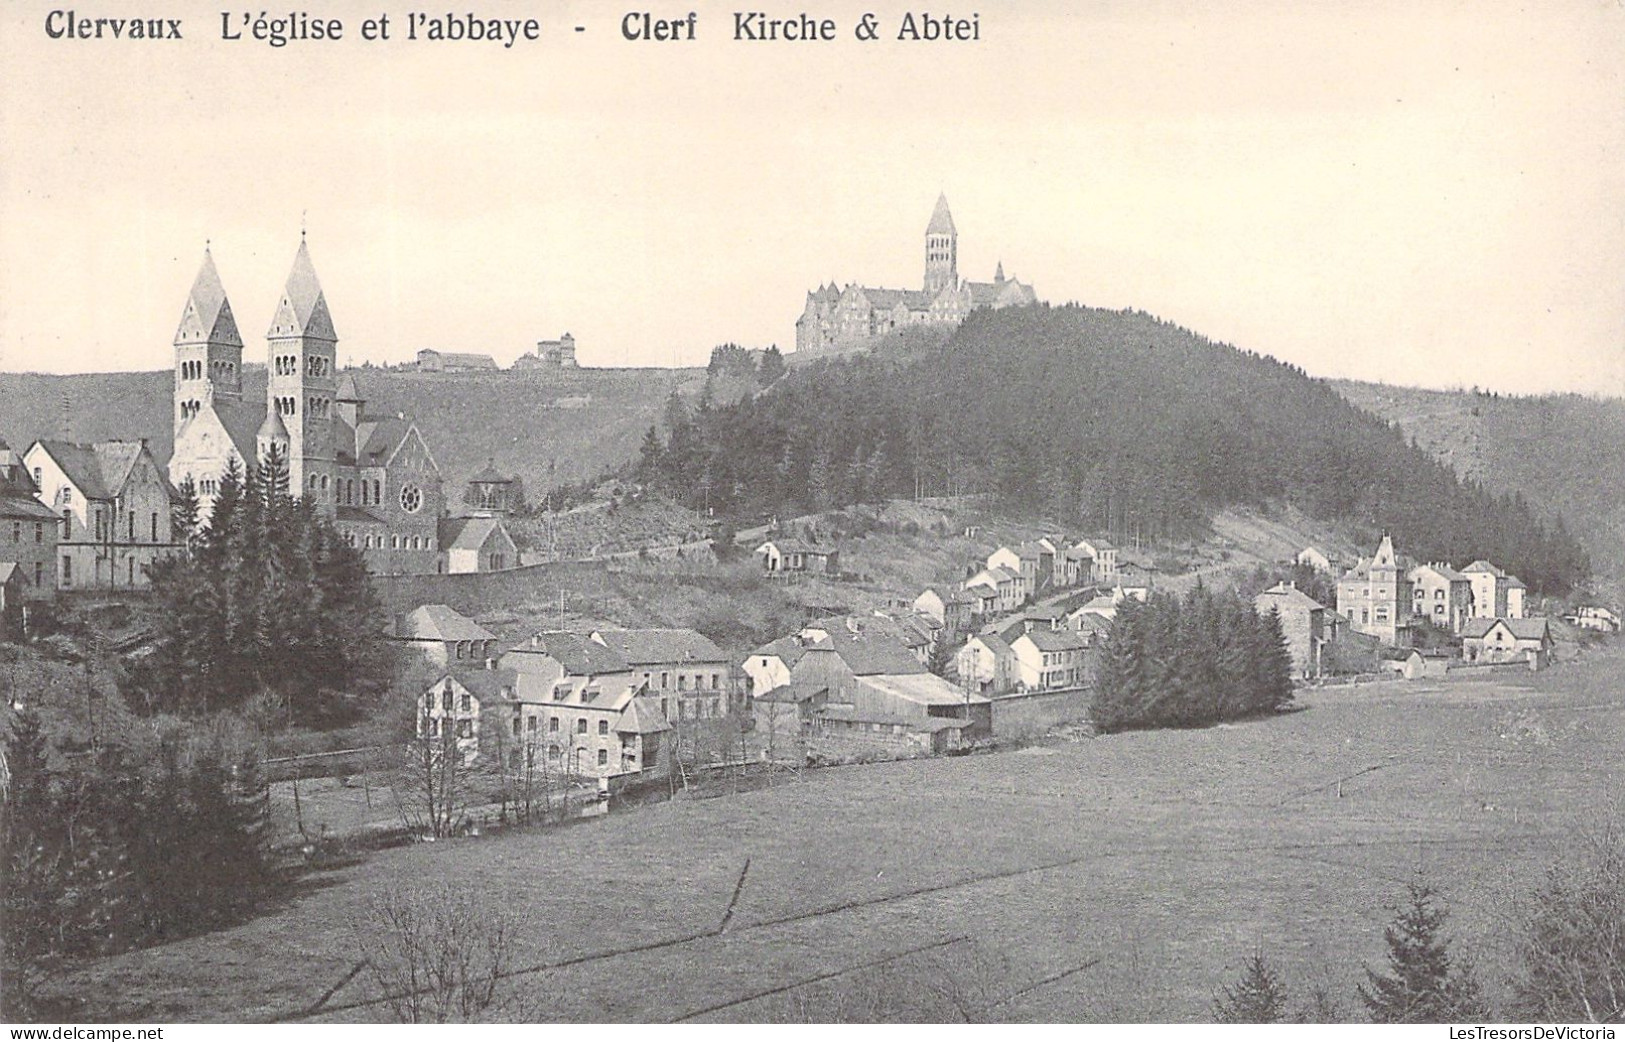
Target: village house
1441, 595
786, 554
1010, 590
1407, 662
1102, 561
452, 705
910, 633
476, 544
114, 503
1507, 640
952, 610
987, 664
28, 532
1313, 557
681, 668
1303, 624
1496, 595
445, 637
1594, 617
1049, 659
768, 667
983, 598
432, 361
1376, 595
579, 702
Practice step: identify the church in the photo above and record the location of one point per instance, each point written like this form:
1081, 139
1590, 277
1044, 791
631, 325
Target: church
373, 476
836, 317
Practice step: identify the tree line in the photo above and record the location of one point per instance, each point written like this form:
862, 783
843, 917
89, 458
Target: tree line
1173, 663
267, 596
1110, 420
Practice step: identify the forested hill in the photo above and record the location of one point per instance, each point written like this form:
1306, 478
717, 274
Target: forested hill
1111, 420
1564, 452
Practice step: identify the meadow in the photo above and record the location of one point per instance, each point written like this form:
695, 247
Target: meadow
1115, 879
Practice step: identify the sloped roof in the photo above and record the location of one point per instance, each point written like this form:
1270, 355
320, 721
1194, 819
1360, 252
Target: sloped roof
872, 654
882, 299
440, 622
579, 656
1515, 583
657, 646
787, 649
348, 389
272, 429
207, 317
1523, 629
99, 470
464, 358
1055, 640
469, 533
791, 545
490, 475
1482, 565
486, 684
642, 716
378, 437
358, 515
1091, 626
303, 308
942, 221
8, 569
1284, 596
1443, 571
16, 505
922, 688
993, 642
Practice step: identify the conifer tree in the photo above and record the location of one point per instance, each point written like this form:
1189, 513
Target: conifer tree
1259, 997
1424, 983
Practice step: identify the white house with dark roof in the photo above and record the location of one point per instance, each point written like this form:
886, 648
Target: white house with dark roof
1493, 592
1507, 640
1441, 595
114, 504
1049, 659
783, 554
987, 663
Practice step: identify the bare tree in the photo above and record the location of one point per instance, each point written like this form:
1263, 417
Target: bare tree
430, 786
438, 955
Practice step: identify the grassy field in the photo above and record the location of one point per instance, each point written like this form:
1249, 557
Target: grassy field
1156, 860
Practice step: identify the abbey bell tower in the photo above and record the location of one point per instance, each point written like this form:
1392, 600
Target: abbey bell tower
941, 249
302, 386
208, 349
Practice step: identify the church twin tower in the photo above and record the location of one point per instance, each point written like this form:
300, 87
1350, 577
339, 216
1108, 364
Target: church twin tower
302, 394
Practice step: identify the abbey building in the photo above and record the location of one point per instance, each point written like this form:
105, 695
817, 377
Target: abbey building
373, 476
836, 317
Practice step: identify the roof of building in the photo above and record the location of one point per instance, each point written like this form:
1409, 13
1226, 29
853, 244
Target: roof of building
464, 358
207, 317
303, 302
489, 475
983, 591
1285, 595
930, 724
357, 515
10, 569
1443, 571
1103, 603
579, 656
377, 438
793, 692
16, 502
871, 654
658, 646
1515, 583
942, 221
485, 684
1523, 629
1091, 625
440, 622
1053, 640
98, 470
792, 545
992, 642
1482, 565
1397, 654
787, 649
470, 533
926, 689
642, 716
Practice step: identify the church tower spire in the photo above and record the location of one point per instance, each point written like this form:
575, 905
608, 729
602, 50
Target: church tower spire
302, 388
208, 349
941, 249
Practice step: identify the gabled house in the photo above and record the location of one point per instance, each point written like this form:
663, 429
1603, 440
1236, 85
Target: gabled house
1515, 597
1441, 595
1493, 596
1011, 590
983, 598
452, 706
476, 544
1594, 617
114, 504
1507, 640
1314, 557
445, 637
951, 609
987, 664
768, 667
1050, 659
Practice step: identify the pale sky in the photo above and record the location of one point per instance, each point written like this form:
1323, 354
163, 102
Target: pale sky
1421, 193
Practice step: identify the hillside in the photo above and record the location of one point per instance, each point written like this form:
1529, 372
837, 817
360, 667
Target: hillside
1111, 420
587, 420
1565, 454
